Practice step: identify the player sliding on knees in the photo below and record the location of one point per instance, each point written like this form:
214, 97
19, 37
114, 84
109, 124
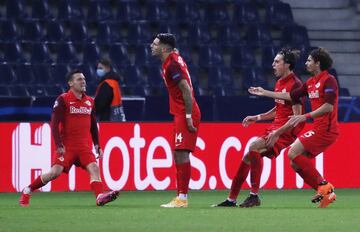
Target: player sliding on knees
74, 112
322, 90
276, 137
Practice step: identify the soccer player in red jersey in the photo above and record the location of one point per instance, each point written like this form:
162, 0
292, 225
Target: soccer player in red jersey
184, 108
72, 119
322, 90
278, 136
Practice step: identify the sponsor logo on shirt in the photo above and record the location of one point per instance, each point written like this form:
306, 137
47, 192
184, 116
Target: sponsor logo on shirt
80, 110
280, 101
317, 85
314, 94
56, 103
71, 103
88, 103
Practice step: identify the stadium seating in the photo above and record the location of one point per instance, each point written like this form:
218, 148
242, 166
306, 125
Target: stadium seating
227, 45
91, 53
128, 11
31, 31
40, 10
54, 32
246, 13
279, 14
9, 31
40, 54
13, 53
16, 10
216, 12
7, 74
242, 57
99, 11
70, 10
157, 11
24, 74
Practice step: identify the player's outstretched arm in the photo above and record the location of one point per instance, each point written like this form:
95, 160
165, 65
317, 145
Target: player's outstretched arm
259, 91
186, 93
270, 115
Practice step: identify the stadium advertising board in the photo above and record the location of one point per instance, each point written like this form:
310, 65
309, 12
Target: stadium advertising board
138, 156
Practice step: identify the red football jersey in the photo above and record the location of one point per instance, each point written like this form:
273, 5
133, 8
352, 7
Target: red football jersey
284, 108
321, 89
175, 69
76, 118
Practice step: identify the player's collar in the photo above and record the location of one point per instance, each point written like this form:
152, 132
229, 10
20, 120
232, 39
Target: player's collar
321, 75
73, 96
285, 79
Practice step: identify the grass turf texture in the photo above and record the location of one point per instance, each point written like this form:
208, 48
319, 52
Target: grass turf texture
281, 210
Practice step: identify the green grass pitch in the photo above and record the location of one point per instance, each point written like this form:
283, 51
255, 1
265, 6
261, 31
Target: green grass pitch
281, 210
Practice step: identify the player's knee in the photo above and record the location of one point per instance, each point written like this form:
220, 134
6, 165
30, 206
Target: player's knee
294, 166
246, 158
54, 174
291, 154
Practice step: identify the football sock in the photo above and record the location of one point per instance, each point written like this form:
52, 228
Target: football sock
182, 196
301, 173
97, 187
256, 167
238, 180
36, 184
183, 177
310, 175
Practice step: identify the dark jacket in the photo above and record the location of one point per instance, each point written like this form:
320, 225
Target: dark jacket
104, 96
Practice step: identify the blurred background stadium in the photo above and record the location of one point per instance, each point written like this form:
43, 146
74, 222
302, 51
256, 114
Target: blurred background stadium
228, 46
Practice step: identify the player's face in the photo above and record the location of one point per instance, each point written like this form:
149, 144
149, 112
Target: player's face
279, 66
78, 82
311, 66
156, 47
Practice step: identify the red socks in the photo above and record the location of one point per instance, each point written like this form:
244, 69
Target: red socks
256, 166
36, 184
238, 180
183, 177
97, 187
306, 170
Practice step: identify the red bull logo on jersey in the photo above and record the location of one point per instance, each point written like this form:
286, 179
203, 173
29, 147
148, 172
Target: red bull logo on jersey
314, 94
80, 110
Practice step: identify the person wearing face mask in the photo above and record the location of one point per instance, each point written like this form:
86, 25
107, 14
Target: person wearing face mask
108, 102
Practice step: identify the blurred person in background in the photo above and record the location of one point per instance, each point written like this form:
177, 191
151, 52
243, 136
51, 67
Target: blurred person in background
108, 102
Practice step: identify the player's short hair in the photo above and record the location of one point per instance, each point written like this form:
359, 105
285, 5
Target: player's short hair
290, 56
105, 62
323, 56
167, 38
69, 76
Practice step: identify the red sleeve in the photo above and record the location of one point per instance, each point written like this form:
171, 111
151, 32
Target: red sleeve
330, 89
57, 117
93, 129
296, 85
297, 93
175, 72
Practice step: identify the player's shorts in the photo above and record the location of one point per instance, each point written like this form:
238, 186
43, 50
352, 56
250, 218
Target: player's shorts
183, 138
81, 158
316, 142
283, 141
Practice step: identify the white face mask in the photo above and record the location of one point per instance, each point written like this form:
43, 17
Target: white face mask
100, 72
